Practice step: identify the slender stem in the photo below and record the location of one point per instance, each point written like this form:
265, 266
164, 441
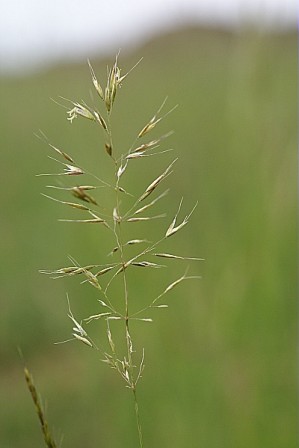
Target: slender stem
119, 240
138, 419
129, 343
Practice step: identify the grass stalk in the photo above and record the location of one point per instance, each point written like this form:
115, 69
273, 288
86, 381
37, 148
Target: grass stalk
139, 428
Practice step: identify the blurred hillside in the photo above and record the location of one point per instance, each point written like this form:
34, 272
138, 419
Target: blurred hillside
220, 362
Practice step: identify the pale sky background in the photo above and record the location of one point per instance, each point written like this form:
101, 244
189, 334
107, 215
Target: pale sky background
36, 33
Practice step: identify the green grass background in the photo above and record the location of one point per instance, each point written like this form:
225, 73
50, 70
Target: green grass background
221, 361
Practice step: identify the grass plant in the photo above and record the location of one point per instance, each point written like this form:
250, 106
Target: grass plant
221, 360
104, 199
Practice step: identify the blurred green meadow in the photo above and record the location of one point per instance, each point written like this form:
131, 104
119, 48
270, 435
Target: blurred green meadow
221, 366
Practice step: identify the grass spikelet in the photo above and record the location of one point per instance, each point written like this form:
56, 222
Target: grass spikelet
91, 278
100, 120
175, 283
70, 204
156, 182
145, 218
80, 110
95, 82
104, 271
128, 243
44, 138
178, 257
147, 264
150, 145
49, 440
94, 220
154, 120
80, 193
68, 271
85, 221
109, 335
108, 148
145, 207
141, 368
172, 229
82, 339
69, 170
96, 317
121, 170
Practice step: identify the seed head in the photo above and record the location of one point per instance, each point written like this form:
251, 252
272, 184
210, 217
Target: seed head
81, 110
